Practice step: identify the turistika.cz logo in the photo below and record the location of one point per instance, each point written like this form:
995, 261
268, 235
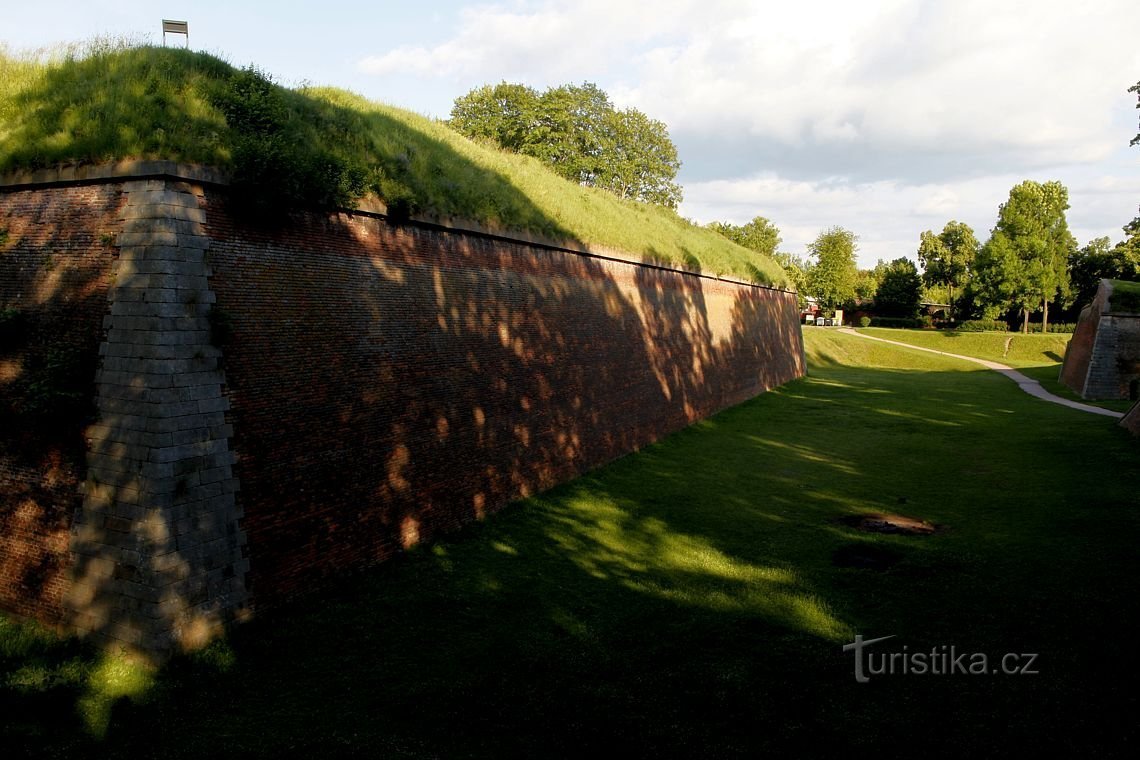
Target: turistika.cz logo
941, 660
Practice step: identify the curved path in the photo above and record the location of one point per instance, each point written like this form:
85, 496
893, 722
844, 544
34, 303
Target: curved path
1027, 384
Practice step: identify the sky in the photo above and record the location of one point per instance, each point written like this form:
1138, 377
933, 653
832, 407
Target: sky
887, 117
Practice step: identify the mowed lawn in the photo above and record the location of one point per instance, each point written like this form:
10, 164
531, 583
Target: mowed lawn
1036, 355
685, 601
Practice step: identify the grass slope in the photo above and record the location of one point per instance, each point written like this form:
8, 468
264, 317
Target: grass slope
1014, 349
319, 146
683, 601
1035, 355
1126, 296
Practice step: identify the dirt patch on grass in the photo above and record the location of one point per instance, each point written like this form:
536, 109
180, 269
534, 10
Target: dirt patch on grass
874, 522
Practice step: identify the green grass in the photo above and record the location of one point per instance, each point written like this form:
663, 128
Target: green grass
1035, 355
1014, 349
319, 146
1125, 296
683, 600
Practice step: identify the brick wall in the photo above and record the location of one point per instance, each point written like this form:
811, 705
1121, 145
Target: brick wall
1103, 358
382, 384
389, 383
55, 269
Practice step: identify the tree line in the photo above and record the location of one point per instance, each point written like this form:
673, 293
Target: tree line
1029, 263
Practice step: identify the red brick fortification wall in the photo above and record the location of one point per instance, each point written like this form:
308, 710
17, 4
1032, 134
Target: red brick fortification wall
57, 255
391, 382
1078, 353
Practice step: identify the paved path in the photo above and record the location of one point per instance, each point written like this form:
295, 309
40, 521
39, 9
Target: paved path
1027, 384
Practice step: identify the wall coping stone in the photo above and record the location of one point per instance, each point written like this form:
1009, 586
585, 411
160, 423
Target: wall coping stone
118, 171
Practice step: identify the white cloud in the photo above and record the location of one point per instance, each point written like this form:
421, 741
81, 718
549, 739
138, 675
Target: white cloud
888, 117
1038, 80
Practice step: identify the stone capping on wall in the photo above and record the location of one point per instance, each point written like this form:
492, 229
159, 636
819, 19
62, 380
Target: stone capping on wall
120, 171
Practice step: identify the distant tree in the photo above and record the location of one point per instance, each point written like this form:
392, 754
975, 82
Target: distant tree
576, 130
866, 284
640, 160
796, 270
503, 114
1136, 89
947, 258
1099, 259
1023, 265
831, 277
758, 235
900, 291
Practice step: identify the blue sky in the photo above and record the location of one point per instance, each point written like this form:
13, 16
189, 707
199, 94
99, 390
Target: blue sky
887, 117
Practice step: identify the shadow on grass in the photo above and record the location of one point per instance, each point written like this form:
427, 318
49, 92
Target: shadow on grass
683, 599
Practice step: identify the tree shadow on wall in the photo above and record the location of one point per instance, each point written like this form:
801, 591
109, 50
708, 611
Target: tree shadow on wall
393, 383
55, 269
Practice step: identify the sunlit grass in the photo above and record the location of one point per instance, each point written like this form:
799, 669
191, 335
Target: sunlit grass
1014, 349
109, 101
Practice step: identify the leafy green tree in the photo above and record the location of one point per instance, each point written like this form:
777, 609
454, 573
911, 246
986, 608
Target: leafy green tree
900, 291
831, 278
1024, 263
947, 258
757, 235
796, 269
576, 130
640, 159
867, 284
1099, 259
503, 114
1136, 89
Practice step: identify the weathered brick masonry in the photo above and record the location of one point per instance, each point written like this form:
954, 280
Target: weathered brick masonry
55, 270
389, 382
382, 384
1102, 360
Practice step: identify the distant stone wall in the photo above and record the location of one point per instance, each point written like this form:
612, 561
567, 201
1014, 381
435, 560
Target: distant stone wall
258, 408
1103, 357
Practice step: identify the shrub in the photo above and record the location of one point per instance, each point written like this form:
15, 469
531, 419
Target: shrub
864, 321
1058, 327
982, 325
926, 320
898, 322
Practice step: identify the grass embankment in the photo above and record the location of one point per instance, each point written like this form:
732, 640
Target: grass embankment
1038, 356
319, 146
684, 601
1125, 296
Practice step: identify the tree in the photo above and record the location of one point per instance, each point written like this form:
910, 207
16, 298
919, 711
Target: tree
503, 114
577, 132
758, 235
832, 275
947, 258
640, 160
867, 284
796, 269
1024, 262
1099, 259
1136, 89
900, 291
